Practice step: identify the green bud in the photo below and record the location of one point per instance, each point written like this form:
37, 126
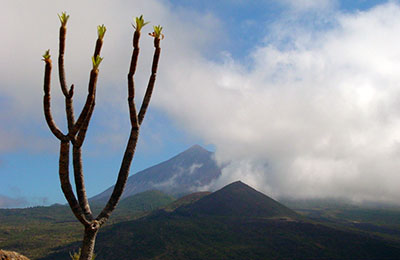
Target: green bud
63, 18
101, 30
96, 61
157, 32
139, 23
46, 55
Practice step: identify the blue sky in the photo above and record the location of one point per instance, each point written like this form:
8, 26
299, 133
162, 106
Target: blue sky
298, 97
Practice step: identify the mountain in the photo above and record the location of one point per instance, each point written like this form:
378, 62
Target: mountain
146, 201
7, 202
185, 173
186, 200
240, 200
139, 204
217, 226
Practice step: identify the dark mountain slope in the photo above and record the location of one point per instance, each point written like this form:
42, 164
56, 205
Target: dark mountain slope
173, 237
237, 199
186, 200
211, 228
182, 174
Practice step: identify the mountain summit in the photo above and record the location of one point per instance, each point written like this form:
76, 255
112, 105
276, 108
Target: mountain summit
240, 200
182, 174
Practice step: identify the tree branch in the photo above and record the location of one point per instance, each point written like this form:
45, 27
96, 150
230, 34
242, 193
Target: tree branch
152, 80
89, 101
77, 143
66, 184
61, 50
122, 177
82, 133
69, 109
89, 104
46, 102
131, 83
80, 182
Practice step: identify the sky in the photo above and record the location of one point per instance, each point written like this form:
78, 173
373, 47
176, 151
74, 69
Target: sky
298, 98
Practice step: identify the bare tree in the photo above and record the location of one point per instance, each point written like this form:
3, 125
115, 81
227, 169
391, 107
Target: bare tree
77, 129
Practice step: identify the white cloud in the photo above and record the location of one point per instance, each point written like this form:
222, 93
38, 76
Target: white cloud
318, 117
314, 114
32, 27
306, 5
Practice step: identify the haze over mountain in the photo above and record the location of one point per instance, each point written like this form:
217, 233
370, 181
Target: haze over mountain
185, 173
6, 202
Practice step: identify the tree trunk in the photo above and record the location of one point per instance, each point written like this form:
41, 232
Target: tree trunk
89, 239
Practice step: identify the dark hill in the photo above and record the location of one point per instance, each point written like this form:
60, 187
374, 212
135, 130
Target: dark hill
210, 238
236, 222
185, 173
186, 200
237, 199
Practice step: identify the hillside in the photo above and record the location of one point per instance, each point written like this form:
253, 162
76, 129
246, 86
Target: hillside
239, 200
186, 200
236, 222
39, 231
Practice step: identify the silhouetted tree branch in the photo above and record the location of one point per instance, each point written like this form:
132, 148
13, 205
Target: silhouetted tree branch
77, 129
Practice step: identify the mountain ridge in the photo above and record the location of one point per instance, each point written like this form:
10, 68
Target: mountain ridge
182, 174
220, 231
240, 200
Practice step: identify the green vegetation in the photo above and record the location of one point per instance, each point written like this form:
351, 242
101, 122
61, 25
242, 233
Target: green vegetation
46, 55
96, 62
157, 32
63, 18
171, 236
39, 231
191, 232
139, 23
101, 30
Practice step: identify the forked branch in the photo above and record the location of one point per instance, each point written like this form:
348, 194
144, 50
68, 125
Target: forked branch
77, 129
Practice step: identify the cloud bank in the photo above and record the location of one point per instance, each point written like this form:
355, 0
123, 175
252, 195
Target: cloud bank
314, 113
309, 113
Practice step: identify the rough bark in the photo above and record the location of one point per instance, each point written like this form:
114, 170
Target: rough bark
89, 240
46, 102
66, 184
80, 182
69, 108
61, 50
63, 83
131, 82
